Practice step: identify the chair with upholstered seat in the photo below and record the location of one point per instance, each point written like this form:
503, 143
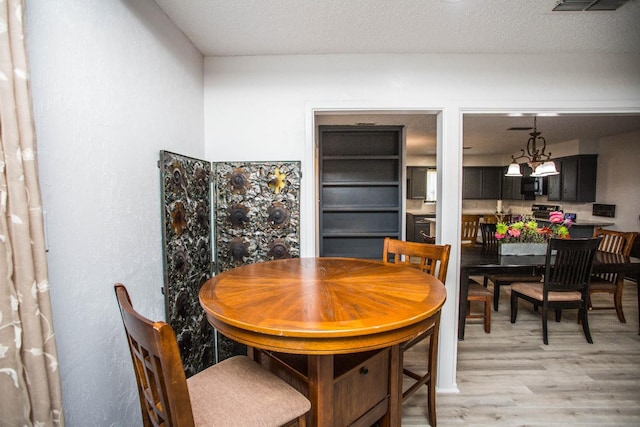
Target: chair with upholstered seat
432, 259
469, 229
490, 243
616, 242
236, 391
566, 282
479, 293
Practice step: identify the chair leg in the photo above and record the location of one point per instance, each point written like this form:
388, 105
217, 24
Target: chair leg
487, 315
514, 306
545, 336
433, 367
585, 324
618, 301
558, 315
496, 295
429, 378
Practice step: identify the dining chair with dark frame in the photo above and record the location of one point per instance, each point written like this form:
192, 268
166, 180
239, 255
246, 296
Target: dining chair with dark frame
490, 243
567, 274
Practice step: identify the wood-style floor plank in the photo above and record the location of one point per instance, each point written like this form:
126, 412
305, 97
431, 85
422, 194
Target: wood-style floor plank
510, 378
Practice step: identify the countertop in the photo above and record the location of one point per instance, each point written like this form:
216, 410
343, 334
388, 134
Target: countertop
586, 223
420, 213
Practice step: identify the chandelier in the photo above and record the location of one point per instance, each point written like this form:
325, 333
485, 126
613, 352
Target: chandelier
538, 160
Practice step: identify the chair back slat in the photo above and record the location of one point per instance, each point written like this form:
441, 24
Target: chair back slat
615, 242
489, 240
569, 264
430, 258
162, 385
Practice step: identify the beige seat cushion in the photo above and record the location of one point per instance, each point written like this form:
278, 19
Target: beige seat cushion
218, 392
534, 290
511, 278
598, 284
476, 289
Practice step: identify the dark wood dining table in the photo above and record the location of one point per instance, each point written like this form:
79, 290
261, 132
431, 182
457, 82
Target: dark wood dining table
330, 326
477, 260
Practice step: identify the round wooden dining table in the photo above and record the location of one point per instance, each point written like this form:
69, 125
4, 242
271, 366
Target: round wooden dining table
330, 326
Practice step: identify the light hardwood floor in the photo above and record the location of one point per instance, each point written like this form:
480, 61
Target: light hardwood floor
510, 378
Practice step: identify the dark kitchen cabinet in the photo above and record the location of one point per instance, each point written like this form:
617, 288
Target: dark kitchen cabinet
512, 185
417, 182
576, 181
481, 182
472, 183
416, 225
360, 180
554, 183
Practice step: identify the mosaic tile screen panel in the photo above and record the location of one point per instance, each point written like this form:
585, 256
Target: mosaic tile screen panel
186, 237
257, 212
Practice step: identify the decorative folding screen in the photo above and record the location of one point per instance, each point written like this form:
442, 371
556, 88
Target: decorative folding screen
256, 216
186, 239
257, 212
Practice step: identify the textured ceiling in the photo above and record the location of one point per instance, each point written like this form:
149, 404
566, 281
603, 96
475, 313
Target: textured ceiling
284, 27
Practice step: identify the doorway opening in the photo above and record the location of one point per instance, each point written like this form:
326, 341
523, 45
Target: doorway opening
419, 151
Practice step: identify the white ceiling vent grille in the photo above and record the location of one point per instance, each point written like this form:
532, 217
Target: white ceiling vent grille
588, 5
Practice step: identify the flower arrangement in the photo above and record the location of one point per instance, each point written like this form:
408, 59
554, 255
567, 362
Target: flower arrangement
528, 231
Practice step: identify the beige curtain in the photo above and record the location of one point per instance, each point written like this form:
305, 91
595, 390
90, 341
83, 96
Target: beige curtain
29, 380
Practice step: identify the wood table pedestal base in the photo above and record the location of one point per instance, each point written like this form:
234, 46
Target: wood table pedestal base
345, 389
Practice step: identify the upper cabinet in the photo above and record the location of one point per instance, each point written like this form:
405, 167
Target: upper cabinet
417, 187
421, 183
512, 185
577, 179
482, 182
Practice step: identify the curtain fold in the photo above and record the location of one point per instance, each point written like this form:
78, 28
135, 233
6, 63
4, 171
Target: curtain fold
29, 378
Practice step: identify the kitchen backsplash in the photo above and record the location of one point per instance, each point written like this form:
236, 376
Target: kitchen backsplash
515, 207
416, 205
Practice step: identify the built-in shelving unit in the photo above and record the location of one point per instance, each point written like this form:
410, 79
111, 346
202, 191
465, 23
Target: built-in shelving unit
360, 178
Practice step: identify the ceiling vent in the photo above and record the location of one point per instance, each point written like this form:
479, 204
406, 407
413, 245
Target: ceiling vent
588, 5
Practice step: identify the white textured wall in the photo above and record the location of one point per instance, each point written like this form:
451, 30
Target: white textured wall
261, 108
113, 83
619, 179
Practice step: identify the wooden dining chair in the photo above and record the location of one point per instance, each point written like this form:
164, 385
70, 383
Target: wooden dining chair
488, 236
566, 282
432, 259
616, 242
469, 229
236, 391
490, 243
479, 293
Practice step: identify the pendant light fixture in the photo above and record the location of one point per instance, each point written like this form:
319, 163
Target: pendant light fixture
536, 157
